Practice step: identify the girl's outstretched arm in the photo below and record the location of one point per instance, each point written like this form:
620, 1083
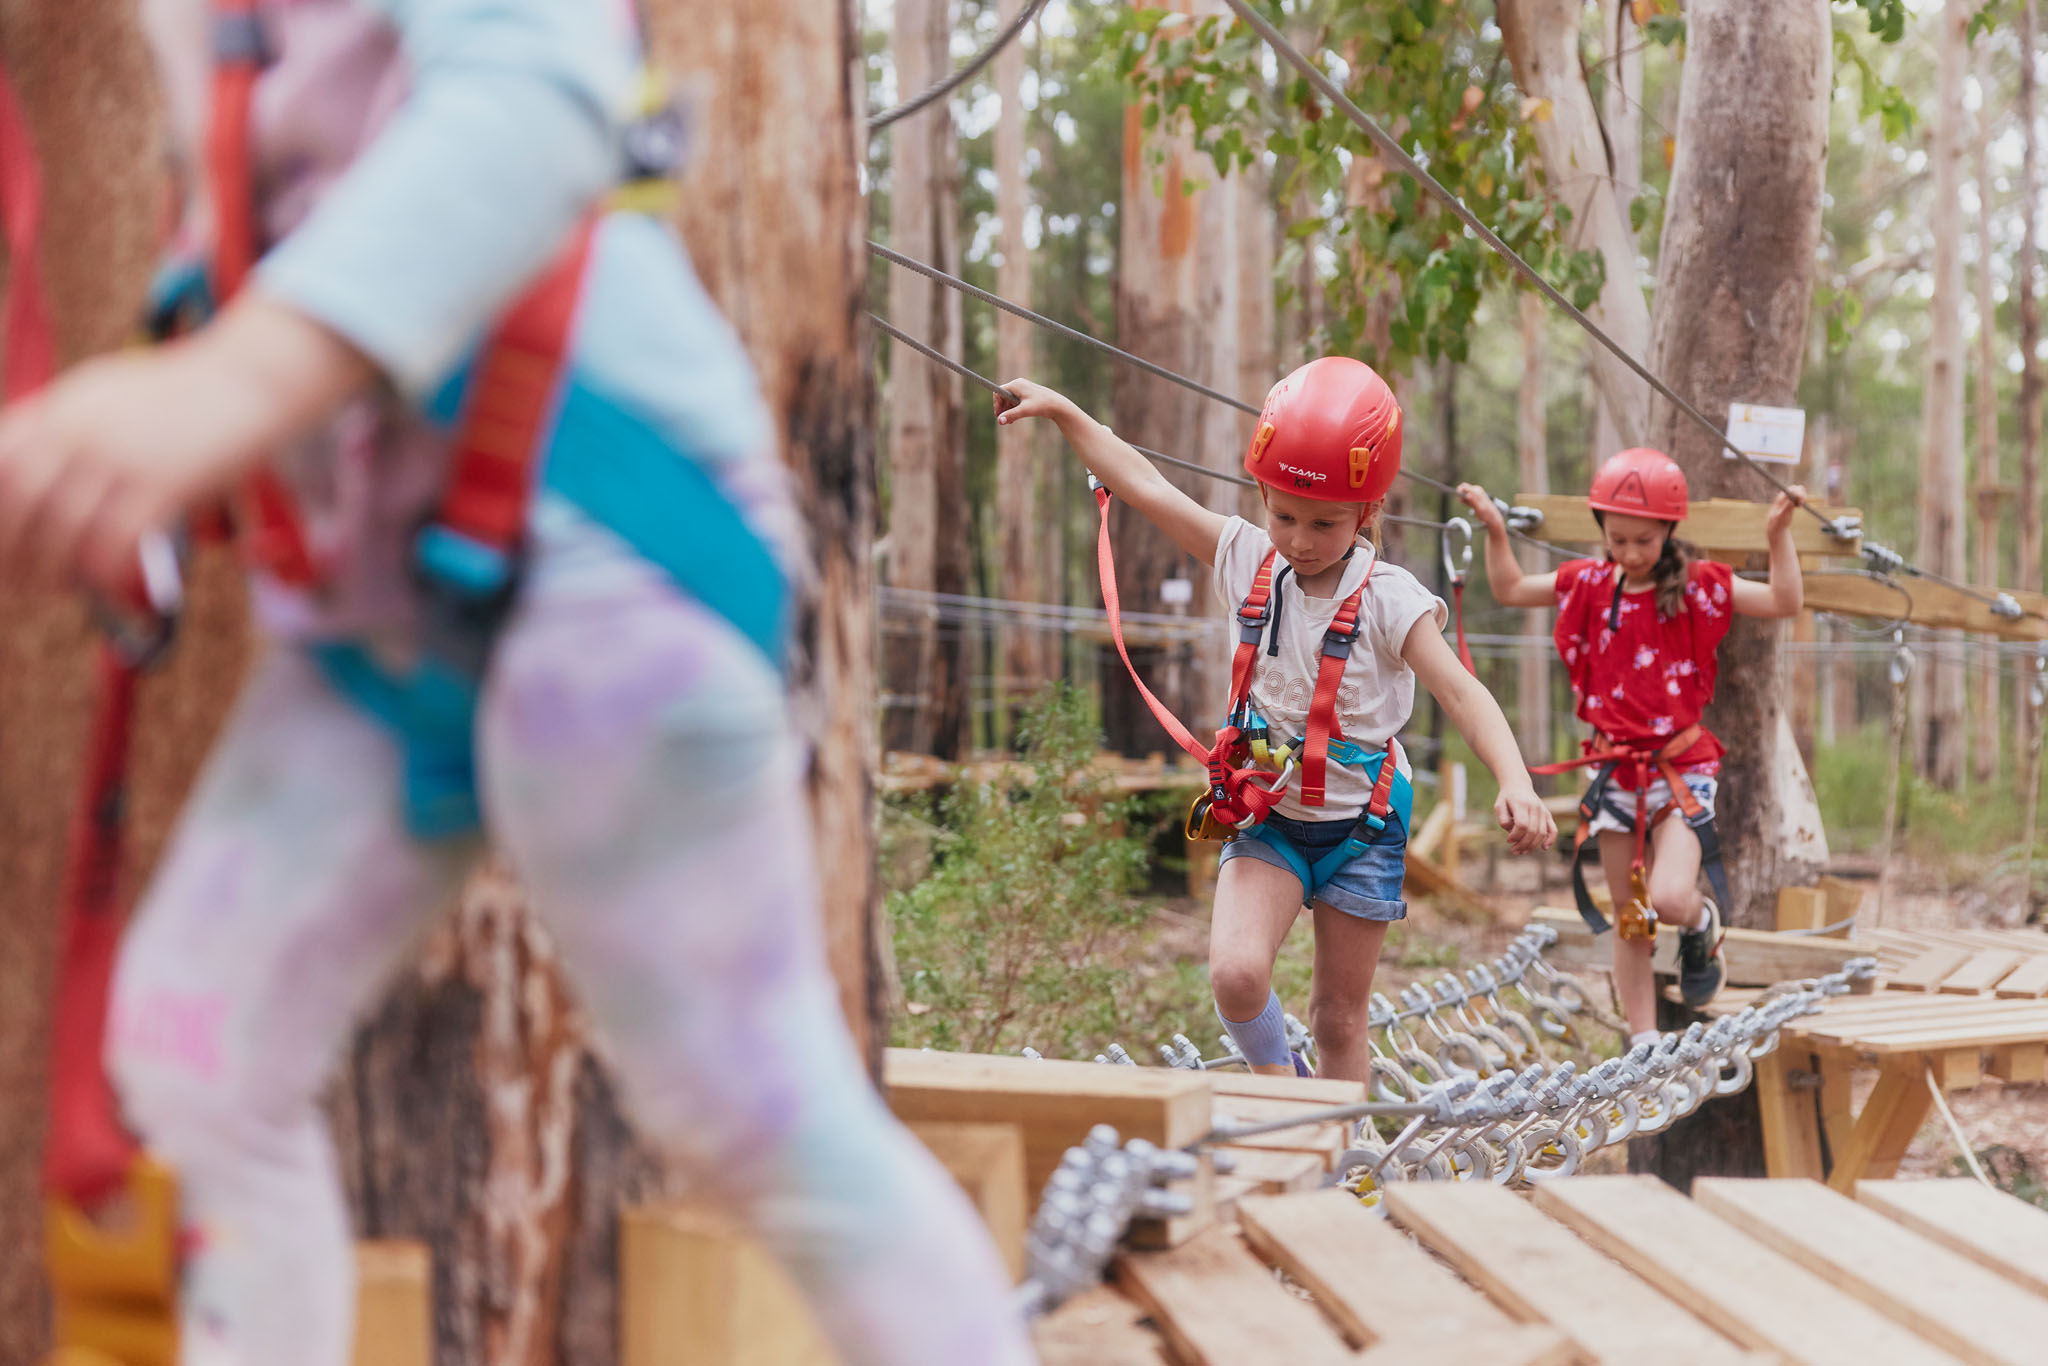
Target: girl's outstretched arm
1478, 718
1511, 587
1783, 593
1127, 474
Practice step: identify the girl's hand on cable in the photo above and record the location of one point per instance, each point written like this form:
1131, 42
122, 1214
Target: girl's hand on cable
1528, 823
1782, 507
1483, 507
1032, 400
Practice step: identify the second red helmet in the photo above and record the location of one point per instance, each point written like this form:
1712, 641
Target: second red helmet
1640, 482
1331, 430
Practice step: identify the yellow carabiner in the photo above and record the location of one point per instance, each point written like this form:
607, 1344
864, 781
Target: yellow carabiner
114, 1280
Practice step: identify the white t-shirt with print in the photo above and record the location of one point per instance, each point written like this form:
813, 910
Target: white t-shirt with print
1378, 689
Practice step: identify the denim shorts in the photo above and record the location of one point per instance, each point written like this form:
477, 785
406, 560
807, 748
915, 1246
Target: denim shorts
1369, 886
1618, 812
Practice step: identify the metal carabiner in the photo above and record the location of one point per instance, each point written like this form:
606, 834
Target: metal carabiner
1457, 563
141, 638
1902, 658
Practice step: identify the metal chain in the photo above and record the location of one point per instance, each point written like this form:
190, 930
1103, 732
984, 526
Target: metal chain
1471, 1074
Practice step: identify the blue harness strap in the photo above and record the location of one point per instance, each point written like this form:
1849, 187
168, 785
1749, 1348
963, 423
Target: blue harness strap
1369, 830
630, 479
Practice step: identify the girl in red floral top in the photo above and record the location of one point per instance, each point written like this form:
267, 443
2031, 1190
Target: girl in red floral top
1638, 630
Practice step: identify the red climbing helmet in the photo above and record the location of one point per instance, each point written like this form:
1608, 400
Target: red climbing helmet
1640, 482
1330, 430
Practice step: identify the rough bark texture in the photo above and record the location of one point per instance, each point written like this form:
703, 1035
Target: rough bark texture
83, 77
1176, 304
1542, 39
1532, 468
1938, 683
1734, 280
1025, 653
927, 535
2028, 538
1985, 739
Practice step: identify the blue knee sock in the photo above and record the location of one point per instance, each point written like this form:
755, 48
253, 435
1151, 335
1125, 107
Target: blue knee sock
1262, 1039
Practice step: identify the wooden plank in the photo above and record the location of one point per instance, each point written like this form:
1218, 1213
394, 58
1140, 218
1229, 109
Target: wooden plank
1431, 832
394, 1304
1801, 908
694, 1290
1928, 970
1056, 1102
1934, 605
1719, 525
1991, 1228
1939, 1294
1980, 1033
1323, 1140
1526, 1345
988, 1162
1844, 900
1275, 1173
2030, 978
1981, 972
1791, 1128
1229, 1081
1757, 1295
1898, 1105
2020, 1063
1217, 1305
1753, 957
1837, 1070
1958, 1069
1097, 1327
1370, 1279
1537, 1270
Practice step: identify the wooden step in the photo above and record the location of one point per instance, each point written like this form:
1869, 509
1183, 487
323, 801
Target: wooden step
1991, 1228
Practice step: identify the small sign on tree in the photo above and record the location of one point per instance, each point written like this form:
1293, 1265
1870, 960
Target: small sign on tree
1766, 433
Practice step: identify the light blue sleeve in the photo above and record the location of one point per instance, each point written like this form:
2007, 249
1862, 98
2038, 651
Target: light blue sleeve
510, 132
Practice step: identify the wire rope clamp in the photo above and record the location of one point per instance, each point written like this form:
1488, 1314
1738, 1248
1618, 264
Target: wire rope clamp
1844, 527
2006, 607
1882, 559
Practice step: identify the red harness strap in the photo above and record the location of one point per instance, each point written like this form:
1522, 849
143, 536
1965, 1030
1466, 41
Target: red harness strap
1323, 725
1642, 764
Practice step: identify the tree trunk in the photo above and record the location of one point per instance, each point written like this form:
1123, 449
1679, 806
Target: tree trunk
1985, 730
1024, 648
927, 471
1532, 466
1542, 40
1734, 280
83, 77
1938, 683
2028, 539
1176, 304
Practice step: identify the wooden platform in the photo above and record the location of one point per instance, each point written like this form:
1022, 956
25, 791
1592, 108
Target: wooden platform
1612, 1269
2012, 964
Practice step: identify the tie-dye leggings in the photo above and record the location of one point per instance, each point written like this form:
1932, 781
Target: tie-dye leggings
639, 770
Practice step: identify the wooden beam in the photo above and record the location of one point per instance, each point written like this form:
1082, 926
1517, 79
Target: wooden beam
1426, 879
1219, 1306
1757, 1295
1801, 908
1373, 1281
1791, 1129
1719, 526
988, 1162
394, 1304
1933, 605
1537, 1271
1097, 1327
1753, 957
1897, 1106
1935, 1292
1991, 1228
695, 1290
1055, 1102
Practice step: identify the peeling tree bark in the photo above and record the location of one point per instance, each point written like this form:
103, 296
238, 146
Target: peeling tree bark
1542, 39
1938, 684
927, 434
1177, 302
1734, 281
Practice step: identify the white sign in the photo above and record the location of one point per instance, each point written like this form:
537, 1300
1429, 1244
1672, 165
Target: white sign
1766, 433
1176, 592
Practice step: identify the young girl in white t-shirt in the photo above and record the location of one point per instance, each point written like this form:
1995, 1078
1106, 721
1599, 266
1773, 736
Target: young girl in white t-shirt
1331, 640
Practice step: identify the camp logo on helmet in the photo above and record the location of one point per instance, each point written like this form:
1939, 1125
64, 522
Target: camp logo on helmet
1631, 490
1305, 478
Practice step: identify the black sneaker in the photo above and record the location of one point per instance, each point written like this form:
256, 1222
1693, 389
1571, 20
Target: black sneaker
1700, 971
